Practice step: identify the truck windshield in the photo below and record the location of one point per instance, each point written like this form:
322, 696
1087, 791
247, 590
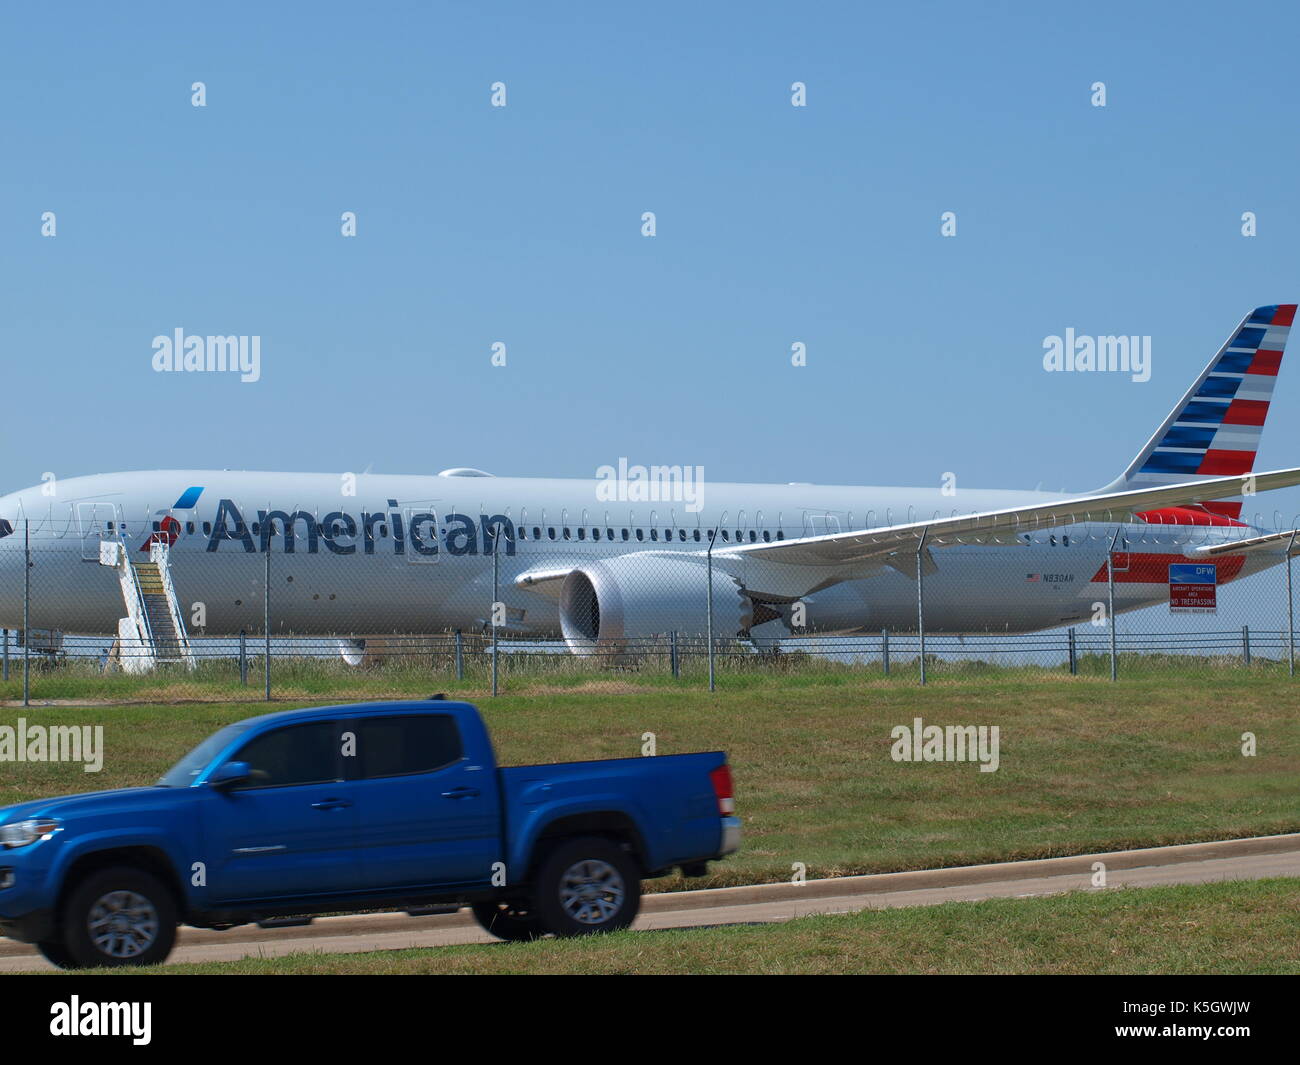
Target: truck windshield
182, 774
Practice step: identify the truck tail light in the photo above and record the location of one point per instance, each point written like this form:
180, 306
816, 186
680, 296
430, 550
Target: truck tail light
720, 778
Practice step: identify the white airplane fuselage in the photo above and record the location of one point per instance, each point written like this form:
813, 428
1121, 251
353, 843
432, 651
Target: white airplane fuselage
414, 554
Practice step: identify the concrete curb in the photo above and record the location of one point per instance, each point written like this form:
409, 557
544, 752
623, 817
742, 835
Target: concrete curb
959, 875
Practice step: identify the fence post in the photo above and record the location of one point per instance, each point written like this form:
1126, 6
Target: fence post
672, 650
243, 657
27, 603
884, 649
1110, 604
1245, 644
713, 537
1074, 653
460, 656
6, 667
1290, 611
708, 624
920, 598
496, 571
266, 621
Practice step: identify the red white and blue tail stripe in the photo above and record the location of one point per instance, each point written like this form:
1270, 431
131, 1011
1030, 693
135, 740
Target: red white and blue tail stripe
1214, 431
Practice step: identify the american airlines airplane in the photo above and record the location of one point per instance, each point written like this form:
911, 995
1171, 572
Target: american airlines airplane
602, 562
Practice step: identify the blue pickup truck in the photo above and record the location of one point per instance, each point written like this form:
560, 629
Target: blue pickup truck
395, 805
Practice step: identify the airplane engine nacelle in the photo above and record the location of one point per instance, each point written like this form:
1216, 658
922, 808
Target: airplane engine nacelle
613, 605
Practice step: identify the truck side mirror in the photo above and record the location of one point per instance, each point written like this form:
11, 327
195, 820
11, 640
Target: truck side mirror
230, 774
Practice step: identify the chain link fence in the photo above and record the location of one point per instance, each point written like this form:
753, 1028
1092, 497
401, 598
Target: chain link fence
155, 614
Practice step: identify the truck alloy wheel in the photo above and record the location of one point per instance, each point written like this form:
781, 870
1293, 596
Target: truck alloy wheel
117, 917
588, 885
591, 891
122, 924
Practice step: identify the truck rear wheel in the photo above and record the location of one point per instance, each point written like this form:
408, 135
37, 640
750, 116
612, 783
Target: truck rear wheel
587, 885
117, 917
512, 921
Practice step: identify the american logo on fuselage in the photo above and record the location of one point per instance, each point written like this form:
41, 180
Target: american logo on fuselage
341, 533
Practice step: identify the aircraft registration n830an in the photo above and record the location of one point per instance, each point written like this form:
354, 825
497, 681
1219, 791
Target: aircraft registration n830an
414, 553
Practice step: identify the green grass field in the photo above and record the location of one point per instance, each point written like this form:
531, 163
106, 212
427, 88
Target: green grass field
1235, 927
217, 680
1086, 765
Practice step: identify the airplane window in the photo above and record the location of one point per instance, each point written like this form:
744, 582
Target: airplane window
624, 534
582, 533
609, 534
1065, 540
752, 536
383, 531
697, 536
566, 532
156, 527
767, 536
595, 534
681, 534
537, 532
654, 534
523, 532
780, 534
551, 532
110, 526
207, 528
256, 528
640, 534
1053, 539
189, 527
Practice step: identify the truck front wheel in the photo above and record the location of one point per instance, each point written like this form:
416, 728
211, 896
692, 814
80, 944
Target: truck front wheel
116, 917
587, 885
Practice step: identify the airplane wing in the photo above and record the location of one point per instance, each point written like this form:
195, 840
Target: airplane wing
872, 545
1286, 542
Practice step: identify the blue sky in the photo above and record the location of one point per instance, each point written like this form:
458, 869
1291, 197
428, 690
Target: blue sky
522, 225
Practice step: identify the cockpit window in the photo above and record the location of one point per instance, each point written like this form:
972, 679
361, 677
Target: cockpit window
6, 529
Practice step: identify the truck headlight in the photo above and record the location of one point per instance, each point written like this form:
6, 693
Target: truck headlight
22, 833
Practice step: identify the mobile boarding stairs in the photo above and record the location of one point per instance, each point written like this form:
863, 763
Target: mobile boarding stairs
153, 630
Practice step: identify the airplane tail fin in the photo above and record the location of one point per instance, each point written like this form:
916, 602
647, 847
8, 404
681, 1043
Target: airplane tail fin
1215, 428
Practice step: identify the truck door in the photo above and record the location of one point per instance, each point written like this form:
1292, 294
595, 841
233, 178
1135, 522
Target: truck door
426, 814
291, 829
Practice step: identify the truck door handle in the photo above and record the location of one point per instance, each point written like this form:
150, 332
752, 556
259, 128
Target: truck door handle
461, 793
330, 804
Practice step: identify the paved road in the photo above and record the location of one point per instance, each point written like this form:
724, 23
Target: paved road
1198, 863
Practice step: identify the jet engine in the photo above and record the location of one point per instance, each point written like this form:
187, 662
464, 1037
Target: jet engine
612, 606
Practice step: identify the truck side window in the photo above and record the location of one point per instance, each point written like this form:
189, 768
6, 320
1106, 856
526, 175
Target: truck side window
406, 744
299, 754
